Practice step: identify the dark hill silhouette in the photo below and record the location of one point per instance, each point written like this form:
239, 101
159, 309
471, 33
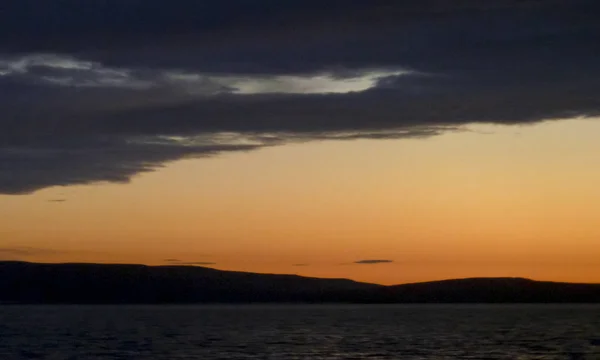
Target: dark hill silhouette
112, 283
490, 290
22, 282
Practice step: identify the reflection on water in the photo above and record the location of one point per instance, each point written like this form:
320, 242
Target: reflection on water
300, 332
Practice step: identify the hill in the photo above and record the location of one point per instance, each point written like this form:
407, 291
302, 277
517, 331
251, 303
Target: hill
489, 290
111, 283
22, 282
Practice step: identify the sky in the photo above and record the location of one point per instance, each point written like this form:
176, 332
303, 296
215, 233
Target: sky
381, 141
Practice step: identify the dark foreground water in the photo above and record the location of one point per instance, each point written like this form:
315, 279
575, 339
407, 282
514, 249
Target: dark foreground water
516, 332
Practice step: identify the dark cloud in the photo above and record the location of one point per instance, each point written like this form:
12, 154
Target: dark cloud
57, 200
270, 35
105, 91
300, 264
28, 168
373, 262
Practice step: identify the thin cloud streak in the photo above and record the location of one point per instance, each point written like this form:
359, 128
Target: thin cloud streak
373, 262
197, 263
189, 263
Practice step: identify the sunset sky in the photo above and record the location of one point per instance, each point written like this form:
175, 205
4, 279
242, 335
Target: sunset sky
380, 141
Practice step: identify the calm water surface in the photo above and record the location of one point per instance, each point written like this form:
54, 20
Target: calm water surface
300, 332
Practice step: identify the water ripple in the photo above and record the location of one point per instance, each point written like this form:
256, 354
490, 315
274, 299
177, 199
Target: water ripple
494, 332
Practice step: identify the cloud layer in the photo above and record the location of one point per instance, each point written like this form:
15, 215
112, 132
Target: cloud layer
117, 88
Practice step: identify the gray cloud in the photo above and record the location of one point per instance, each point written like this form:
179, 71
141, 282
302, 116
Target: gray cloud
102, 97
303, 264
373, 262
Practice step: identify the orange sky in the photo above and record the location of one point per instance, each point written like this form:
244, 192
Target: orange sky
488, 201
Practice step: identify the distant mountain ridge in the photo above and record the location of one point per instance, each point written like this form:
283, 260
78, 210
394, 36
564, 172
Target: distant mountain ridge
22, 282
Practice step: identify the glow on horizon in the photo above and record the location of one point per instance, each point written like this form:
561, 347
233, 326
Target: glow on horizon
493, 201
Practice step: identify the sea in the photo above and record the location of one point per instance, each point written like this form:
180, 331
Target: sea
207, 332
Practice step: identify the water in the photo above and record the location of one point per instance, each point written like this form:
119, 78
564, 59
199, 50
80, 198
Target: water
516, 332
